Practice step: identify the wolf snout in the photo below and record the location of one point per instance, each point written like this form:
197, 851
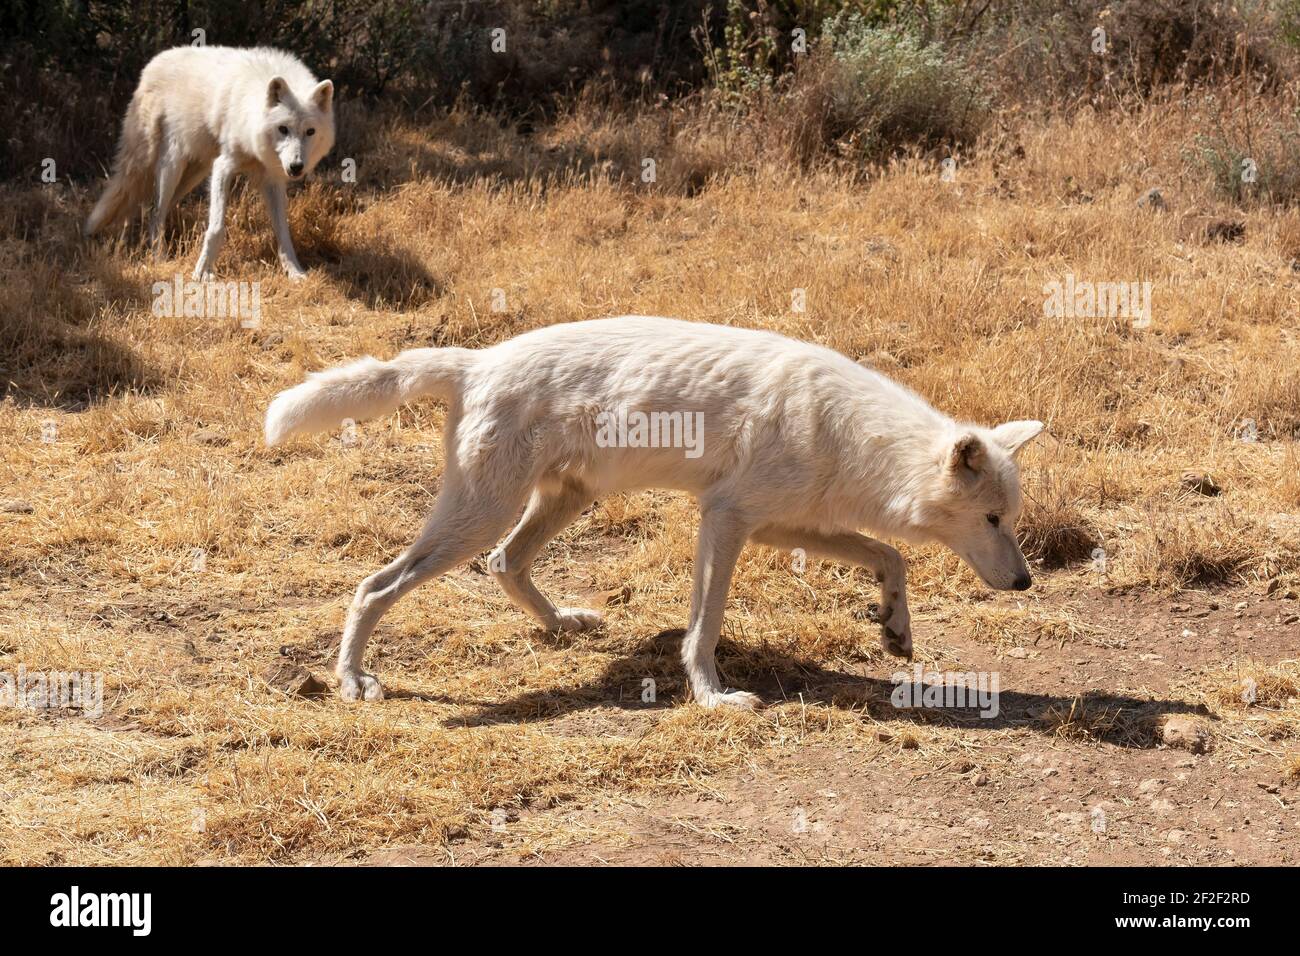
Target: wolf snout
295, 169
1022, 582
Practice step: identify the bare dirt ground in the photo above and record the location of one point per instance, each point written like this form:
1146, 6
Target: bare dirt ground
1008, 793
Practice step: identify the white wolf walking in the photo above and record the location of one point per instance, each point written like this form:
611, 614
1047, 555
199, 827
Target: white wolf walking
198, 109
801, 447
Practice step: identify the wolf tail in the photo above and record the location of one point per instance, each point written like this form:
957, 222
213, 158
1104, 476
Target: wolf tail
133, 167
364, 389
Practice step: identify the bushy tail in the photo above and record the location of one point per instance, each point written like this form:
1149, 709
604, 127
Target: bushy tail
133, 168
364, 389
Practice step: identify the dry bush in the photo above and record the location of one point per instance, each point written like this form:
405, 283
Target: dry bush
1046, 50
1054, 529
1011, 626
1089, 717
1287, 484
1254, 685
1248, 153
866, 92
1216, 547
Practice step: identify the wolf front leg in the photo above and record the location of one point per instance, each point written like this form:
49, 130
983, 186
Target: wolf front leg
277, 207
723, 532
858, 549
223, 173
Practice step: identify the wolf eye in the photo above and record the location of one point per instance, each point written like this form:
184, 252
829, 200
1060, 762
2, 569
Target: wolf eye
311, 132
284, 131
993, 520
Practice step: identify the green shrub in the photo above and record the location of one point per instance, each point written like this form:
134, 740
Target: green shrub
887, 88
1252, 163
868, 91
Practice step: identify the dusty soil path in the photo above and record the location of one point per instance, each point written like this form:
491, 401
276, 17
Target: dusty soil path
1011, 790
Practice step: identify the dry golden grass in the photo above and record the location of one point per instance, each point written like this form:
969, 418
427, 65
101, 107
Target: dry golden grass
938, 284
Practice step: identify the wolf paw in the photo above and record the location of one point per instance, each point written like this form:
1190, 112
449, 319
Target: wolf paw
739, 699
896, 642
353, 687
578, 619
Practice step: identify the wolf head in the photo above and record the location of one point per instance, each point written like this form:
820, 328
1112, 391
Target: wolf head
973, 502
296, 132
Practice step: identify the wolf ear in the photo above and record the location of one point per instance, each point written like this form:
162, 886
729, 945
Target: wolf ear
275, 91
967, 452
1014, 435
323, 95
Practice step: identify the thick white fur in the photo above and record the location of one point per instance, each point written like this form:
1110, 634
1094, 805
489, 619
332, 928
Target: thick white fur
218, 110
802, 447
364, 389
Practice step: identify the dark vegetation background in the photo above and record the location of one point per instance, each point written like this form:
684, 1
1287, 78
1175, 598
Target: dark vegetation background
878, 77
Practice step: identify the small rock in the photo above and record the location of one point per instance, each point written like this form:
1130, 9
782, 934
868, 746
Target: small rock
1019, 653
980, 779
617, 596
1151, 199
1201, 484
17, 507
1184, 733
209, 436
1225, 230
884, 736
1176, 836
296, 681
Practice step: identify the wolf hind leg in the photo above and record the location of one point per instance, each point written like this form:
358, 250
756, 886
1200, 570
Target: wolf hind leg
195, 172
463, 522
167, 176
549, 511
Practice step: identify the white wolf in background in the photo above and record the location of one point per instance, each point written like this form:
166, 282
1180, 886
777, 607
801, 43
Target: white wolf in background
801, 448
226, 111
